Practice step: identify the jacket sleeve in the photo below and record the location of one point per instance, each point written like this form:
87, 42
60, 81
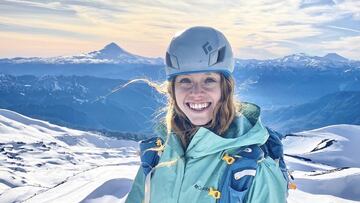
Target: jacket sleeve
136, 194
269, 184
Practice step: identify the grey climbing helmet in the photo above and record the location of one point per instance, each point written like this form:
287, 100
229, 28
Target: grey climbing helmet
199, 49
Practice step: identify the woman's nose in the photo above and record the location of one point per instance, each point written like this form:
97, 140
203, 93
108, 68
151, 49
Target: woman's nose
196, 89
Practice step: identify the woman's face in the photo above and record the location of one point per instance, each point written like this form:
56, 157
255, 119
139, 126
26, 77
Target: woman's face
197, 95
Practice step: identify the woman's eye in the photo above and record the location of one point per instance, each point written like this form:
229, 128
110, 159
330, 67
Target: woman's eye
184, 80
209, 80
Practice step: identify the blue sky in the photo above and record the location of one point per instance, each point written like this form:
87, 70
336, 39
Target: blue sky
260, 29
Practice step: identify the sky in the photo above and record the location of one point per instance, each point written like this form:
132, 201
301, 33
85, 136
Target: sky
259, 29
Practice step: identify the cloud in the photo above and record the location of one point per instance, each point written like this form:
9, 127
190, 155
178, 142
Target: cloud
19, 8
312, 3
146, 27
350, 7
8, 27
344, 28
17, 44
346, 46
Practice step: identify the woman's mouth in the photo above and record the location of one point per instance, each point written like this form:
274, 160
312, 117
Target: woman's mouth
198, 106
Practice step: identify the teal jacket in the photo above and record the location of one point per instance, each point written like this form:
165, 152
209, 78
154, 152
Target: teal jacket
186, 176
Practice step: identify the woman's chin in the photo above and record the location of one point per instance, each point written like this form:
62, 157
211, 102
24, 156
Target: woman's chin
200, 122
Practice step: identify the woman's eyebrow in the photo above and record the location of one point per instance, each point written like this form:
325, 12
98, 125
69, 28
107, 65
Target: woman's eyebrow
210, 75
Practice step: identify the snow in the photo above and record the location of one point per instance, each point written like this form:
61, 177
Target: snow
42, 162
110, 54
342, 151
297, 61
298, 196
325, 161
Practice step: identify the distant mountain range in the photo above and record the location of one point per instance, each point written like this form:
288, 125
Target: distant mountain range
33, 86
110, 54
114, 54
295, 79
82, 102
292, 79
114, 62
110, 62
301, 60
336, 108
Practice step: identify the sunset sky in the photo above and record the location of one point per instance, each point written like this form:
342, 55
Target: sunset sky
259, 29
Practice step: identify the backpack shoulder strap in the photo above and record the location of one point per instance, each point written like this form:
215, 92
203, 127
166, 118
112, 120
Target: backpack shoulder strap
239, 173
150, 151
242, 164
274, 149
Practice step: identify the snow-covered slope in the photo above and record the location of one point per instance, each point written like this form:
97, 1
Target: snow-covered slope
336, 146
41, 162
325, 161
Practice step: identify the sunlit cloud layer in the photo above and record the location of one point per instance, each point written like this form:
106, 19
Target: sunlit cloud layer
256, 29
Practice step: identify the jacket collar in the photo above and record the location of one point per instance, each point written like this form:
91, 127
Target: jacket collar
246, 129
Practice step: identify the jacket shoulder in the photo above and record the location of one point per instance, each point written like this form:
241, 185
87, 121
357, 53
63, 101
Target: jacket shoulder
136, 193
269, 184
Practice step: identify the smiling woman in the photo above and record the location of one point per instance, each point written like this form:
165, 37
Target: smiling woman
197, 95
212, 143
200, 99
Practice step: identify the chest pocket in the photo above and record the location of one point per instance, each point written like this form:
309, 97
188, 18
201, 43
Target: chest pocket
239, 174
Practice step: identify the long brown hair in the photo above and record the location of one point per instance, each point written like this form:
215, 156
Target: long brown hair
176, 121
224, 112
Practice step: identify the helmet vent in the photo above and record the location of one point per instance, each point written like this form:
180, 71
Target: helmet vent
171, 61
217, 56
167, 60
221, 55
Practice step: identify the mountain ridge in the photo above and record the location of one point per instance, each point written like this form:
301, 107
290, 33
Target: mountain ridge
112, 53
109, 54
302, 60
334, 108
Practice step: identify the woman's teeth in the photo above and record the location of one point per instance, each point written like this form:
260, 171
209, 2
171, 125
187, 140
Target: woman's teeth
199, 106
